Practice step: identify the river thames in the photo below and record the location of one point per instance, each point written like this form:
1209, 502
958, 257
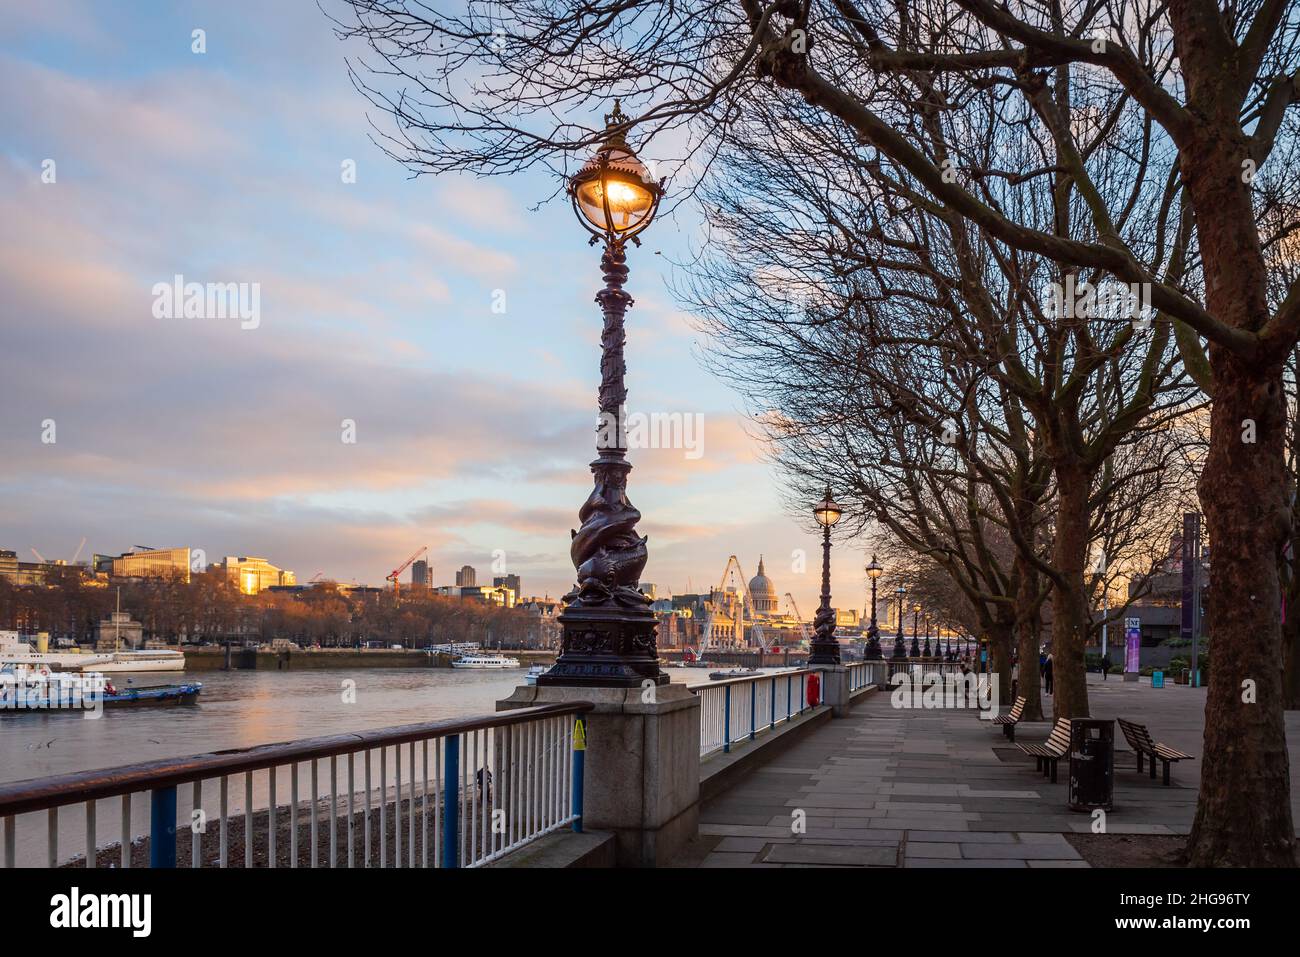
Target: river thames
240, 709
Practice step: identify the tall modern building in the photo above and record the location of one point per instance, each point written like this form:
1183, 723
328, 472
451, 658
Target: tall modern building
507, 581
466, 577
421, 575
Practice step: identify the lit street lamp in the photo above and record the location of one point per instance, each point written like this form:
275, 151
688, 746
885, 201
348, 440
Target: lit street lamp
916, 618
900, 649
873, 632
927, 639
608, 627
825, 649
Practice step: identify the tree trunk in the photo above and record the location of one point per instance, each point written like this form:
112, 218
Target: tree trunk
1000, 659
1027, 625
1243, 814
1070, 612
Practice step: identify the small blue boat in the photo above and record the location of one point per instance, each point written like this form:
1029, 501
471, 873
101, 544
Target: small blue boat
187, 693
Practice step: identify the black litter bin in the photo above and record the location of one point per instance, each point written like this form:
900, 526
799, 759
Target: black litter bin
1092, 764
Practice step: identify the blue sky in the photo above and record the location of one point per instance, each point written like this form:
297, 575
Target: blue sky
473, 428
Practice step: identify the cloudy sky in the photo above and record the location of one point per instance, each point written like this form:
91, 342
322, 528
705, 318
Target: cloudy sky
473, 428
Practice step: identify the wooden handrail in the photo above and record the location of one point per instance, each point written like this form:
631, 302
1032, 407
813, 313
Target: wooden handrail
39, 794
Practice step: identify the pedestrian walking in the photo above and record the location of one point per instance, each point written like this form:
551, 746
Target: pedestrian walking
1047, 675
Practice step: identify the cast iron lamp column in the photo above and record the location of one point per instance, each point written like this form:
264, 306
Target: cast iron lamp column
900, 648
873, 632
926, 652
916, 618
608, 627
825, 649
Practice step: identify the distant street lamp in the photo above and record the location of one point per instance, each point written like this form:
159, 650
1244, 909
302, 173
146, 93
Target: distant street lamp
927, 639
900, 649
825, 649
608, 628
916, 618
873, 632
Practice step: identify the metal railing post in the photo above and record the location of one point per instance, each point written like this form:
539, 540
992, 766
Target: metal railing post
162, 827
789, 703
753, 709
451, 812
803, 693
772, 693
726, 719
579, 759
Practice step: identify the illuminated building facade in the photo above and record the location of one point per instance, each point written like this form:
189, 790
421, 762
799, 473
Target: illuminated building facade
253, 575
154, 563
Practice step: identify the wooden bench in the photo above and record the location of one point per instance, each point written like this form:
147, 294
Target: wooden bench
1053, 749
1009, 720
1139, 739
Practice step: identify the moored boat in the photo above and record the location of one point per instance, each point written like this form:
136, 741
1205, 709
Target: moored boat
535, 672
734, 673
148, 660
484, 662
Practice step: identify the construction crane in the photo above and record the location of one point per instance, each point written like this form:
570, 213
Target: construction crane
396, 572
803, 626
734, 575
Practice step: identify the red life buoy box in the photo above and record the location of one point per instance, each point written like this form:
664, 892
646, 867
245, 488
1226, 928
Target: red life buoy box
814, 689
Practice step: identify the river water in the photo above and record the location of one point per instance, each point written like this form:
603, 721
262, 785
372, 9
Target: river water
239, 709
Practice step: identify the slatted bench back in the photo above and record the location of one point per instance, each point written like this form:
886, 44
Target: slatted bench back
1059, 739
1137, 736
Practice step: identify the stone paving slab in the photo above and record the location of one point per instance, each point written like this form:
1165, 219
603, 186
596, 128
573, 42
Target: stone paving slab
832, 854
948, 790
919, 849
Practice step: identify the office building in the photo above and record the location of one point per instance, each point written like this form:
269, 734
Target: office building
466, 577
421, 574
252, 575
153, 563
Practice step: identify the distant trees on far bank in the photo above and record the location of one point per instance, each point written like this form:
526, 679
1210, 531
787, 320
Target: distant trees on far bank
210, 608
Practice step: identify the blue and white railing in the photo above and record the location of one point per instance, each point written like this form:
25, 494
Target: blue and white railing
458, 793
738, 708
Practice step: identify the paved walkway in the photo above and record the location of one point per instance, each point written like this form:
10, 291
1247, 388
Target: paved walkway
888, 788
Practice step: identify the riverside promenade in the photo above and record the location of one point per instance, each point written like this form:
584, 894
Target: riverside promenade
885, 787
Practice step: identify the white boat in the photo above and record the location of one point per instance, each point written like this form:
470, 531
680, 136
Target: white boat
484, 662
14, 651
535, 672
157, 660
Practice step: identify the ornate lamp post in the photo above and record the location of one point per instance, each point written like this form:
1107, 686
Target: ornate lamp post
825, 649
900, 649
916, 618
873, 632
608, 627
926, 652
